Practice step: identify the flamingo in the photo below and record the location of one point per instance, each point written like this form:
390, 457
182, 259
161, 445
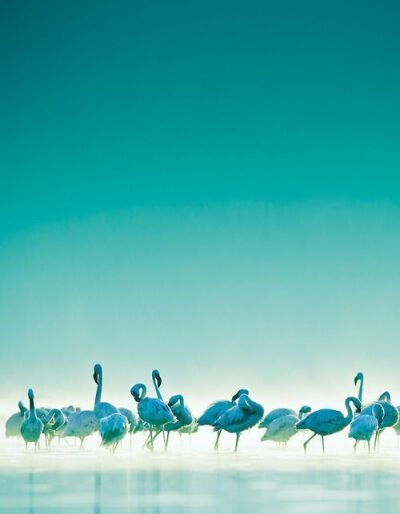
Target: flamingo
277, 413
215, 411
364, 425
359, 378
101, 409
246, 414
113, 429
325, 422
152, 410
14, 422
283, 428
32, 427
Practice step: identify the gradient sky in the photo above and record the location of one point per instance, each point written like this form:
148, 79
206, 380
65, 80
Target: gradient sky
208, 188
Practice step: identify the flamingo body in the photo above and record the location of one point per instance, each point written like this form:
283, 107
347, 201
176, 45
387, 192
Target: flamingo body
81, 424
246, 414
281, 429
113, 429
14, 422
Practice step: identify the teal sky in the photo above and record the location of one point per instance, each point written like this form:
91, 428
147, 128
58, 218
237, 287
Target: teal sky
211, 189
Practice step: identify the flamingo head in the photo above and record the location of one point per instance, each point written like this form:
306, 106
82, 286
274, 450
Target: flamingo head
174, 399
305, 409
156, 375
358, 377
239, 394
137, 391
384, 397
97, 372
30, 394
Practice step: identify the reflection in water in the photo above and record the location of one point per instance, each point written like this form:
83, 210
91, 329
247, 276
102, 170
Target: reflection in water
31, 494
97, 493
180, 484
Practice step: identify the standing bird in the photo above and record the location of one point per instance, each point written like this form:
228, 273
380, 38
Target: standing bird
32, 427
391, 416
325, 422
112, 430
14, 422
359, 378
277, 413
152, 410
132, 421
283, 428
101, 409
215, 411
244, 415
81, 424
182, 414
363, 426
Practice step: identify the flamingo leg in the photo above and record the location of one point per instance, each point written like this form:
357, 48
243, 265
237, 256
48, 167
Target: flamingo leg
323, 444
375, 440
151, 438
308, 440
217, 440
355, 446
166, 442
369, 446
237, 441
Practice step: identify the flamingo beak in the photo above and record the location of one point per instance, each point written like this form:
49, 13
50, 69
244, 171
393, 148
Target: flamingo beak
159, 381
96, 377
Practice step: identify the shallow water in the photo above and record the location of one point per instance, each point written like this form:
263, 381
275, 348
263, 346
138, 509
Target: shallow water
66, 480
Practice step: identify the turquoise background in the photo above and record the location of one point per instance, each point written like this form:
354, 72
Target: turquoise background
209, 188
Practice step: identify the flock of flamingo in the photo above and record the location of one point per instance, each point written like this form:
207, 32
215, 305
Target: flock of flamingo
157, 417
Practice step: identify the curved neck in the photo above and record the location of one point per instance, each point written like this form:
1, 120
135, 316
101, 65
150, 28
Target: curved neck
179, 398
349, 416
247, 405
50, 414
143, 391
99, 389
157, 388
360, 390
22, 408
